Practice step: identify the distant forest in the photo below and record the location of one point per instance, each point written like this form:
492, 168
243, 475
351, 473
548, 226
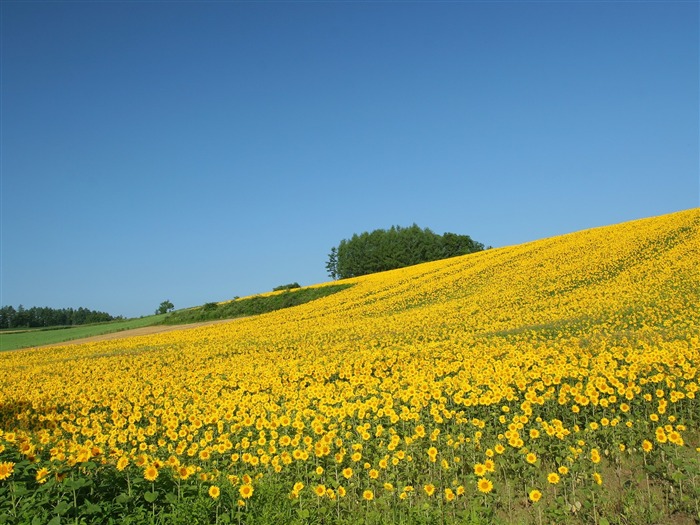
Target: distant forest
37, 317
382, 250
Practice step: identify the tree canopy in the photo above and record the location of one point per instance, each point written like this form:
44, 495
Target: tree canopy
36, 317
381, 250
165, 307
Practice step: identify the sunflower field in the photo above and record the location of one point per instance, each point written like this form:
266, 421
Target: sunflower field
550, 382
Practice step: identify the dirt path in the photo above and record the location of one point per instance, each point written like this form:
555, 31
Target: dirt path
146, 330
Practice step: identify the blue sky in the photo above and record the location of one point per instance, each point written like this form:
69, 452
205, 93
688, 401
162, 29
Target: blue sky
195, 151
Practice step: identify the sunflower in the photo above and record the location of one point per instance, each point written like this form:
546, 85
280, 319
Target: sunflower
432, 454
368, 495
151, 473
214, 492
675, 438
661, 435
449, 494
429, 489
647, 446
41, 475
531, 458
320, 490
484, 485
122, 463
535, 495
246, 491
480, 470
553, 478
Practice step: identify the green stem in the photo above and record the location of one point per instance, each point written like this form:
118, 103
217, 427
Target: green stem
75, 501
12, 496
595, 511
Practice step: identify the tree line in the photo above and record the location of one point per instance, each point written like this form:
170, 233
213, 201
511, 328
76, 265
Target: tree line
381, 250
37, 317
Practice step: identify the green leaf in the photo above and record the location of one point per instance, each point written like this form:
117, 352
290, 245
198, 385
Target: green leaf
56, 520
149, 496
62, 508
171, 498
20, 489
75, 484
303, 513
678, 476
123, 498
603, 521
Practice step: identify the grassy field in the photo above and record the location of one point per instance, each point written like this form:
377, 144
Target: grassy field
245, 306
550, 382
12, 340
253, 305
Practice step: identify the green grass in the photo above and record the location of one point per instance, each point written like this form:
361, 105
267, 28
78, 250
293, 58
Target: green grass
255, 305
13, 340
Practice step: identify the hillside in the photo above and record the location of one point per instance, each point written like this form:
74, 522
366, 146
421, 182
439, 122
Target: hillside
550, 353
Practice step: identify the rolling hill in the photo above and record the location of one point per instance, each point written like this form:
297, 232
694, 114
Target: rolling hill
506, 385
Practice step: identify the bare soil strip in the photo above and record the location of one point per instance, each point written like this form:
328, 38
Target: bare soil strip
146, 330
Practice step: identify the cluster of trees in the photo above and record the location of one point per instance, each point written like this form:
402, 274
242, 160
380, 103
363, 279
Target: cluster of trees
165, 307
394, 248
36, 317
290, 286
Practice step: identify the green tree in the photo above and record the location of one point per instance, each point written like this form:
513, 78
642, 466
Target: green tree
290, 286
165, 307
332, 263
381, 250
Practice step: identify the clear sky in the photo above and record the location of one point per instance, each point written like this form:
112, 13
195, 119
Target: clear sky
195, 151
